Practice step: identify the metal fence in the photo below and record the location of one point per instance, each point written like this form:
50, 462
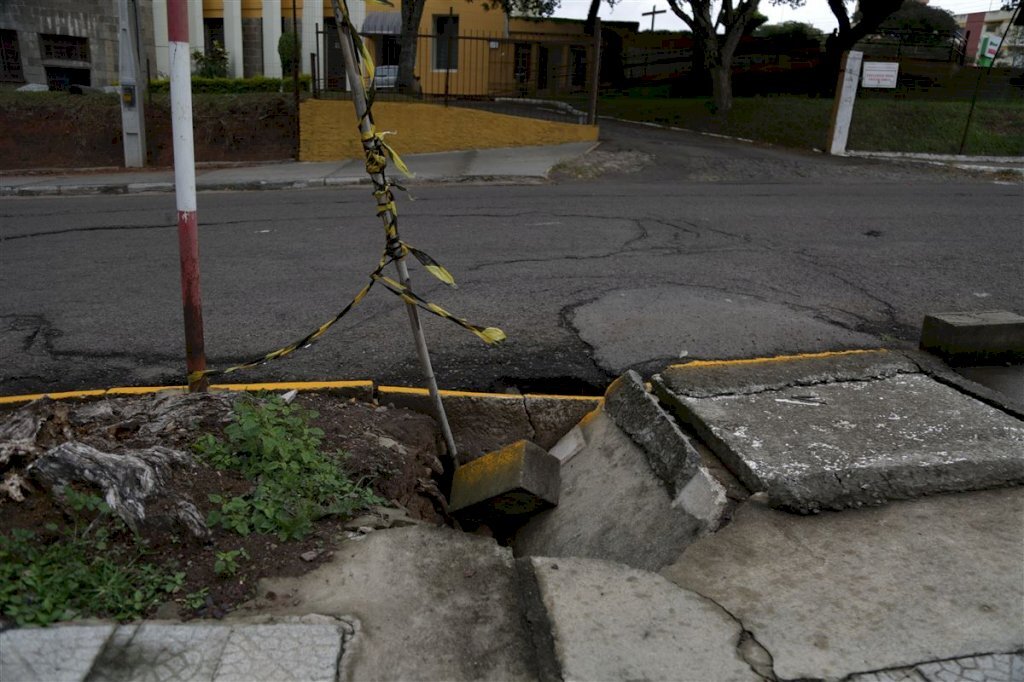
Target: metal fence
520, 75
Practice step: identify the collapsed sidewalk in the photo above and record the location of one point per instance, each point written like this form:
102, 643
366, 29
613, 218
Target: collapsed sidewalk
841, 516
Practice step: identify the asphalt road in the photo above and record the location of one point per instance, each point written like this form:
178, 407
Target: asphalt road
683, 246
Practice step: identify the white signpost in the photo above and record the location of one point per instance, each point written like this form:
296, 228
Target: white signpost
842, 111
133, 85
880, 74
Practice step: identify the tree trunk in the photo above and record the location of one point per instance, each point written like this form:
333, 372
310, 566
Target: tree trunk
588, 25
721, 88
412, 12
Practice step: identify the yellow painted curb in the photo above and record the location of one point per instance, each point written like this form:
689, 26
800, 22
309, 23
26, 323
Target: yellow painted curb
145, 390
776, 358
422, 392
379, 391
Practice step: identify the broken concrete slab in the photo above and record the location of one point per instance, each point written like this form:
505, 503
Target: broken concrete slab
854, 443
515, 481
870, 589
611, 506
670, 453
610, 622
974, 337
703, 379
432, 603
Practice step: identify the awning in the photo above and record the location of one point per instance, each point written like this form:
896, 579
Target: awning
382, 23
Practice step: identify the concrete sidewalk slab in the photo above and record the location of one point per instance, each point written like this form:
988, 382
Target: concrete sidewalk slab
303, 649
610, 622
844, 430
433, 604
513, 164
871, 589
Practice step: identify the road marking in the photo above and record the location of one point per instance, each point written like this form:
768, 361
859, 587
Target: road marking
776, 358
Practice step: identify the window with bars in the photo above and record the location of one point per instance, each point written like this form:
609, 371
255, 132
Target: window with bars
446, 42
64, 48
10, 58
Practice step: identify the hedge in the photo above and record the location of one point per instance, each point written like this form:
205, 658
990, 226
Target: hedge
236, 85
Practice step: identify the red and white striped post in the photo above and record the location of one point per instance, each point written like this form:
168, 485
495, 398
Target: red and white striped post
185, 189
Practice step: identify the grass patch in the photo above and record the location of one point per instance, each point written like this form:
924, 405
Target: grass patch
272, 444
79, 571
879, 123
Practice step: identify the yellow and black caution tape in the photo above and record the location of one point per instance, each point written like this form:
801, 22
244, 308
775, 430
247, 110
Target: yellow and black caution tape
377, 154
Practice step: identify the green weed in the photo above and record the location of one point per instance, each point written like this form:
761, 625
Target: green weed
226, 563
81, 573
273, 444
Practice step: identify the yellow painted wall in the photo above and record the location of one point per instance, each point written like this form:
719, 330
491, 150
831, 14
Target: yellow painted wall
329, 132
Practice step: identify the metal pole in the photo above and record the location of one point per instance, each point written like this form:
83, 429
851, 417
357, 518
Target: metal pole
448, 50
595, 74
295, 77
388, 215
185, 189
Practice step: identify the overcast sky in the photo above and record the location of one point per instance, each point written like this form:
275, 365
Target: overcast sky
814, 12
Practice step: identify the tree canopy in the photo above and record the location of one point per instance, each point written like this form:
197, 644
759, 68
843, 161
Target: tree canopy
914, 16
790, 30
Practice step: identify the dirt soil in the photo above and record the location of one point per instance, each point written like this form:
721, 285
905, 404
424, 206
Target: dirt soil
393, 449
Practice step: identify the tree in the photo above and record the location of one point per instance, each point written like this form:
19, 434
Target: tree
870, 15
918, 18
213, 64
716, 49
792, 31
287, 47
412, 14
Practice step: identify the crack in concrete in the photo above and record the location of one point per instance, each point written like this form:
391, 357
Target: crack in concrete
748, 648
875, 671
794, 384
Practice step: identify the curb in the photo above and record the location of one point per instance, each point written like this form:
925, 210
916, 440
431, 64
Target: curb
351, 388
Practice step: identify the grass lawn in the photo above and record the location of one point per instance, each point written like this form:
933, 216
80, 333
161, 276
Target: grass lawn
879, 123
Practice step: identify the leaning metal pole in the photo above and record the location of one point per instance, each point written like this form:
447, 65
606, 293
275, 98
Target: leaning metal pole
387, 213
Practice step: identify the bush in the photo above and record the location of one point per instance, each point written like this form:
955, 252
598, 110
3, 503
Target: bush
214, 64
235, 86
288, 46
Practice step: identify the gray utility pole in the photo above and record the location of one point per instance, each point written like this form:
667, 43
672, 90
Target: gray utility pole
133, 85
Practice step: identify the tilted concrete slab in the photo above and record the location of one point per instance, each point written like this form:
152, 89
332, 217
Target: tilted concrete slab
612, 506
871, 589
707, 378
610, 622
852, 443
433, 604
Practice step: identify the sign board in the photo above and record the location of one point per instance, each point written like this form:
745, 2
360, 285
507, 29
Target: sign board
992, 44
880, 74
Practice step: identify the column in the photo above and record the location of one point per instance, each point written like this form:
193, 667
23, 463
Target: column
163, 62
271, 36
312, 15
233, 37
196, 33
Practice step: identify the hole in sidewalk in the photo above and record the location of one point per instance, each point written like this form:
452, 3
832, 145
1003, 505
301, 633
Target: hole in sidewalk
549, 385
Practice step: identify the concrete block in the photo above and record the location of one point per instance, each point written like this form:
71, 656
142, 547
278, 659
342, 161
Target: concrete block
611, 622
703, 379
979, 337
568, 445
518, 480
669, 451
62, 653
612, 506
870, 589
704, 498
854, 443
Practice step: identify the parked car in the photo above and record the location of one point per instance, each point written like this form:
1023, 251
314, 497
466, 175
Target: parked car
385, 77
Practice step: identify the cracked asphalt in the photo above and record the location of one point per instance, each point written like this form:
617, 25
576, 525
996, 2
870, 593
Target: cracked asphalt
712, 249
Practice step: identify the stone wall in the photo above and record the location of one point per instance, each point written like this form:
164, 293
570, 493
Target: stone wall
96, 20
